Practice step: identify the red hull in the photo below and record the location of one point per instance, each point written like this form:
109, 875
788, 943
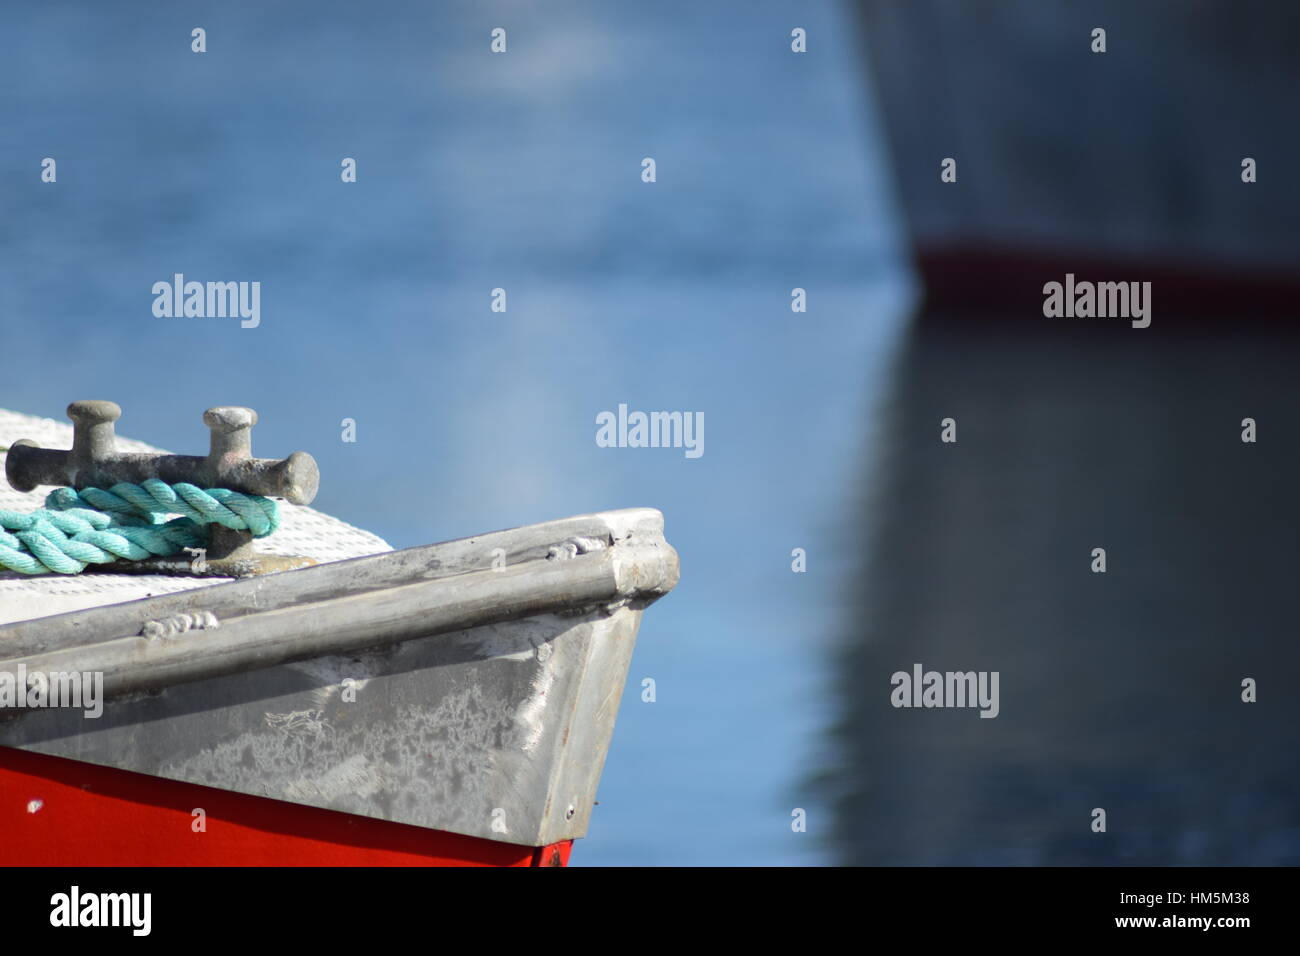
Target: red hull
1008, 280
57, 812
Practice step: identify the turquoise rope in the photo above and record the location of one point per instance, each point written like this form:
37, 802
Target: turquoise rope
94, 526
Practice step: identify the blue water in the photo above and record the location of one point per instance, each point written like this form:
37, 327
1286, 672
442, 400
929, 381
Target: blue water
479, 171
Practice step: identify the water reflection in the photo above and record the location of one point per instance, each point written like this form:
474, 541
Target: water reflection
1118, 690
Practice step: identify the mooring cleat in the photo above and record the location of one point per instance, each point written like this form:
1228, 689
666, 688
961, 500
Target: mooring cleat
94, 462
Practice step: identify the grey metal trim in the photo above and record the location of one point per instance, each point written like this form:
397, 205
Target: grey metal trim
590, 560
483, 701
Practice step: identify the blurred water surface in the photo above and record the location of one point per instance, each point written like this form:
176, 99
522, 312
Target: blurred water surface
1119, 690
478, 171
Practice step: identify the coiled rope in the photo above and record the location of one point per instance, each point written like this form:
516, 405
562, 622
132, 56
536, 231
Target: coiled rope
94, 526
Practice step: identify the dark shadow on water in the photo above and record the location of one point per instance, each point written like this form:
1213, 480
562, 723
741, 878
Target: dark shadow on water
1119, 690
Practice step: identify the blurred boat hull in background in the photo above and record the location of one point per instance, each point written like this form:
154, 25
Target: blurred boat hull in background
1118, 165
1123, 690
